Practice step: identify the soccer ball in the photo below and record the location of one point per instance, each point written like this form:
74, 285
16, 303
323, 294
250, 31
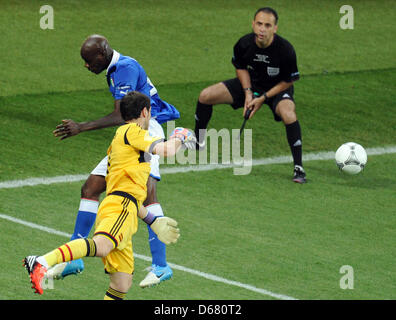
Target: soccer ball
351, 157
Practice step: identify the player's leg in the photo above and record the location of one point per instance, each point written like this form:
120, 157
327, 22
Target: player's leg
157, 248
91, 190
93, 187
120, 283
98, 246
286, 110
219, 93
37, 266
160, 271
117, 223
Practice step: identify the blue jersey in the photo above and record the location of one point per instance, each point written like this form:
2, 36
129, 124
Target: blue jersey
125, 74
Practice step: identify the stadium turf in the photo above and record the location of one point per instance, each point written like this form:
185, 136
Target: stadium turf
258, 230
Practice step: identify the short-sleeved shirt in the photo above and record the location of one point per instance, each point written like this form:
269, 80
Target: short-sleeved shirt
266, 66
125, 74
128, 166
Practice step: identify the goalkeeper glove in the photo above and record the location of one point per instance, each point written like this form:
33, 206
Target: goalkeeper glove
186, 136
165, 229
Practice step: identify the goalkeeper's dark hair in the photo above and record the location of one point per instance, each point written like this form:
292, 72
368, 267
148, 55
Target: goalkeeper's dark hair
268, 10
132, 104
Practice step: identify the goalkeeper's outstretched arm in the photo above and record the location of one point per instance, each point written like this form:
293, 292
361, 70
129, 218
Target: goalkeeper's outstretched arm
178, 138
168, 148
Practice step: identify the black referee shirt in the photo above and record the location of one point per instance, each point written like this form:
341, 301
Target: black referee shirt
269, 66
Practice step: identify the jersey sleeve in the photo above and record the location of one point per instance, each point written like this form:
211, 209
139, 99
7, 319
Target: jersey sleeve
289, 68
141, 139
125, 80
237, 58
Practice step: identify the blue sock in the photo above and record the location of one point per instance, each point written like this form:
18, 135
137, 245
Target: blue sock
86, 217
157, 247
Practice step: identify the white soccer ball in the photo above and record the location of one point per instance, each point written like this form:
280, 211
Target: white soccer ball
351, 157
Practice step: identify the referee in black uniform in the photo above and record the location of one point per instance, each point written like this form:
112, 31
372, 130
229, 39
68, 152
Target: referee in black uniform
266, 67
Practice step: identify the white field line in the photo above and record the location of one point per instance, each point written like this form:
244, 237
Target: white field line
145, 258
326, 155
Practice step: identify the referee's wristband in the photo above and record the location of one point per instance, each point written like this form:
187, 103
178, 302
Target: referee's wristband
248, 89
265, 95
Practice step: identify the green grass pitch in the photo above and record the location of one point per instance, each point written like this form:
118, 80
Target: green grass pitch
259, 230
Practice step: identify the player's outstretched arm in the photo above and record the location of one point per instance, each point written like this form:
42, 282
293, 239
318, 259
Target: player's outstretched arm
179, 137
69, 128
164, 227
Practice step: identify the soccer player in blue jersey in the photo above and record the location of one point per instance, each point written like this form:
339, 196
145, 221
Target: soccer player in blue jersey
123, 74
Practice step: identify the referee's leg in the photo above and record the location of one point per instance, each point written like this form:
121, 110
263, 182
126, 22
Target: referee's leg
286, 110
212, 95
215, 94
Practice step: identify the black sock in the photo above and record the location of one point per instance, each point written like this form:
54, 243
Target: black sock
203, 113
293, 132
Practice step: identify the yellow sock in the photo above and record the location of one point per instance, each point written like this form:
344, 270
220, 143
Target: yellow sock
72, 250
112, 294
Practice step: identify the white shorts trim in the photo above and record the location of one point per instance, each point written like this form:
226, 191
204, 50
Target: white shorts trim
155, 130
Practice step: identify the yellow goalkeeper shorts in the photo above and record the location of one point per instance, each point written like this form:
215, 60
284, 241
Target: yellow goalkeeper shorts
117, 221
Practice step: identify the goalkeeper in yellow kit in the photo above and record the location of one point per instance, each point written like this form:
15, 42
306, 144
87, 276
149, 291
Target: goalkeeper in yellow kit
116, 222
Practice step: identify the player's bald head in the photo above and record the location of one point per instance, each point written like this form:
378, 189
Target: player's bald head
96, 52
94, 45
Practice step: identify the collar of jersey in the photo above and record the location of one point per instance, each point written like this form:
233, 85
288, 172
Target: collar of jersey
114, 60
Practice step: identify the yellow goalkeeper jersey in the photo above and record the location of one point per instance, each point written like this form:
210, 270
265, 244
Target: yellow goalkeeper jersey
128, 166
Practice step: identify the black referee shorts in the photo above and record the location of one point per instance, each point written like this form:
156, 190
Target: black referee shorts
238, 95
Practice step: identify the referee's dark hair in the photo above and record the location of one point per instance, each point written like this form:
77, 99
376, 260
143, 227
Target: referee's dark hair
132, 104
268, 10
